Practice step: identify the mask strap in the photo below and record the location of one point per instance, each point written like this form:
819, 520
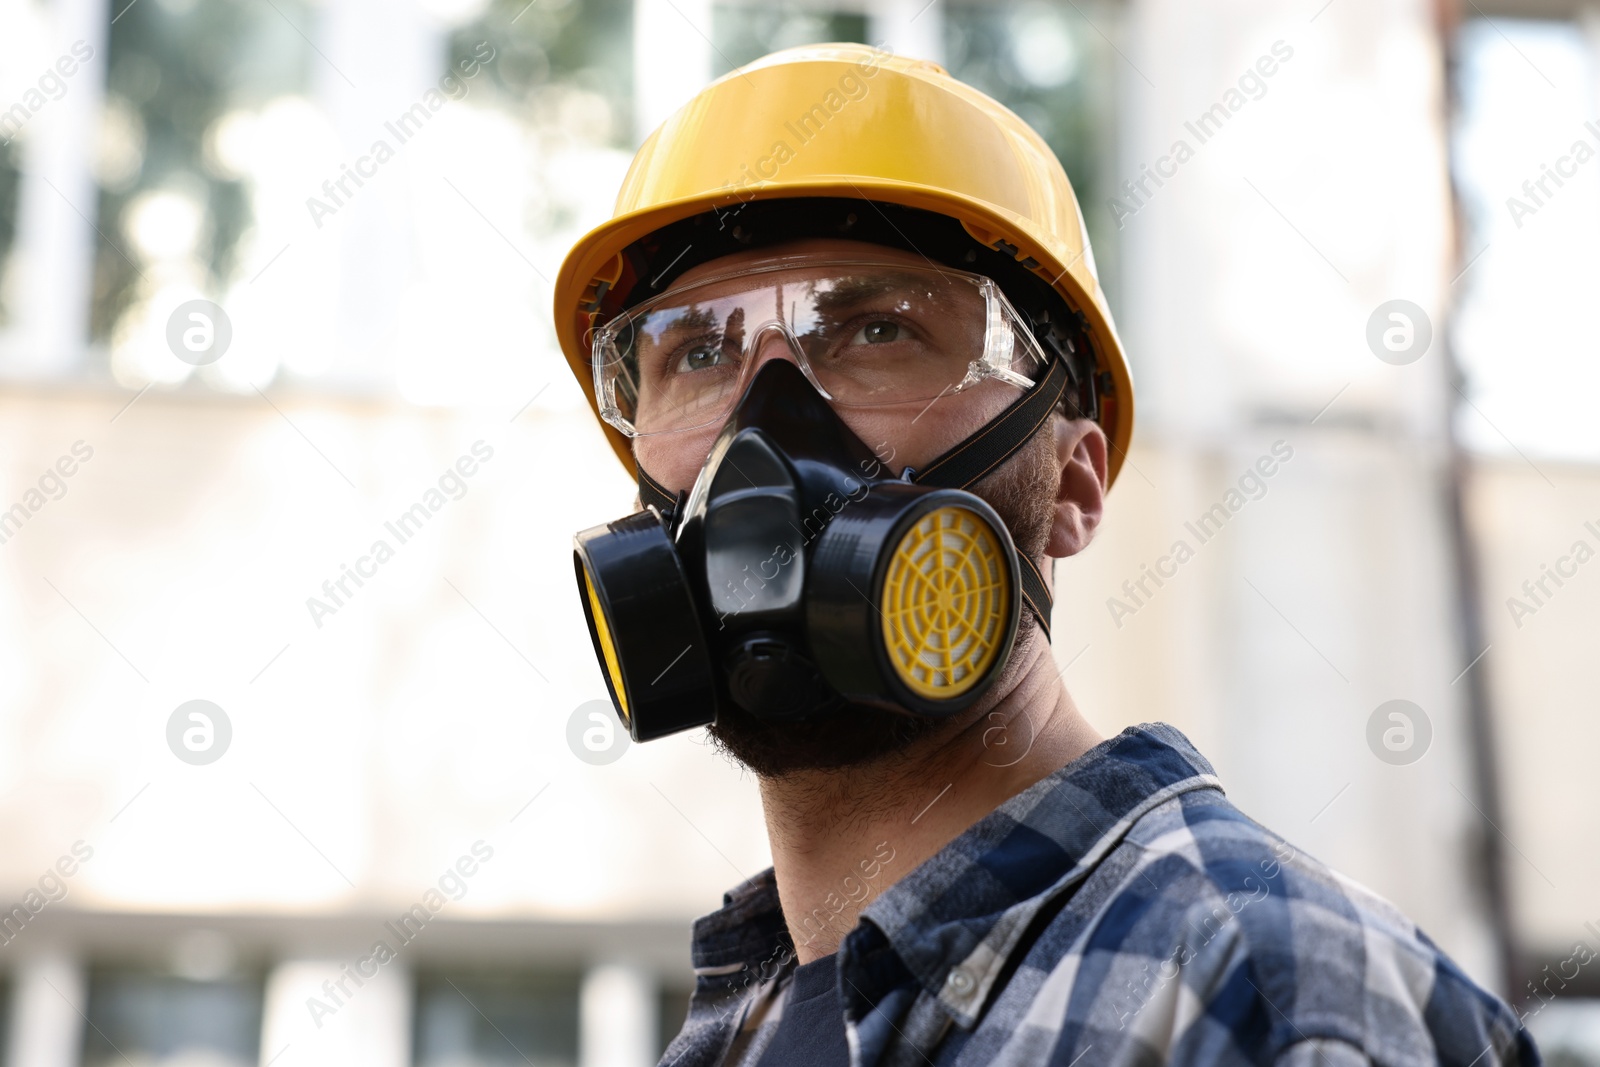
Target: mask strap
652, 494
1035, 593
967, 462
963, 465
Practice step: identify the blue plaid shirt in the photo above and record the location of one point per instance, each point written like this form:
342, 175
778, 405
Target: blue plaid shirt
1122, 911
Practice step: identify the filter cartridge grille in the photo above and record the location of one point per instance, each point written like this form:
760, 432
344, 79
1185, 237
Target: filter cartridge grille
946, 596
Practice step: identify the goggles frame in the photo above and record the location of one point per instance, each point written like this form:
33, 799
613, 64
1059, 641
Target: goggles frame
1005, 330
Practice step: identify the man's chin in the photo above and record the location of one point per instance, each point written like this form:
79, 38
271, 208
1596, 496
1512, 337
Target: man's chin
855, 735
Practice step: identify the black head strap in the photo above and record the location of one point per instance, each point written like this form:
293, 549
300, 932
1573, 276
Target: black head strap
652, 494
967, 462
1036, 593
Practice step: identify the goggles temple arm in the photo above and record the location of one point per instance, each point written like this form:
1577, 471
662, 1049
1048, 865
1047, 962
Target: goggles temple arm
1067, 342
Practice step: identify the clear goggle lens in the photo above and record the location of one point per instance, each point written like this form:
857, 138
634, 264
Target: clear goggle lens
865, 334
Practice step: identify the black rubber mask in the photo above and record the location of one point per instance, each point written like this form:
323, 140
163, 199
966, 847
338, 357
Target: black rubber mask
799, 574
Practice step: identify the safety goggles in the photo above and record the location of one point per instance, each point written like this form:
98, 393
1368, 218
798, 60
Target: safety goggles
864, 333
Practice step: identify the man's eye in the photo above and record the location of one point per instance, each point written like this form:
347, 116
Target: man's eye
701, 357
876, 333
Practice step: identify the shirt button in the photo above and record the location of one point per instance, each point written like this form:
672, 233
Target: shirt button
960, 982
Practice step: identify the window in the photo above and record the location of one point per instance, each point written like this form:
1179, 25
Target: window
481, 1019
7, 993
672, 1009
235, 159
156, 1019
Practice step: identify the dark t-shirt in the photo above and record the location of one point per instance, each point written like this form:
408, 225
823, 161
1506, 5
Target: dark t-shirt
811, 1032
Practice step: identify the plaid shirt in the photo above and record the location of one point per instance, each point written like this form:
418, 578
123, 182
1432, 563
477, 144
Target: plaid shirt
1123, 911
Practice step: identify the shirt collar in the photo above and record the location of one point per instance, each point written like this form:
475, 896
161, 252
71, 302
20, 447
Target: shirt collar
953, 922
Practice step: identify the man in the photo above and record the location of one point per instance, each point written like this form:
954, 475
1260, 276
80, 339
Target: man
846, 331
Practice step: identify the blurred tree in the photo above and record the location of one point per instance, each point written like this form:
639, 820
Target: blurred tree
175, 68
586, 46
1055, 67
10, 183
745, 32
564, 70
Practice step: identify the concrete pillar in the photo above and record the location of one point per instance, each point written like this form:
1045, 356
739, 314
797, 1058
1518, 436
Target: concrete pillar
378, 60
48, 1005
912, 28
672, 58
53, 254
618, 1016
323, 1026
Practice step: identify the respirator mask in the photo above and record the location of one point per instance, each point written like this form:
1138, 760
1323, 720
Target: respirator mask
800, 573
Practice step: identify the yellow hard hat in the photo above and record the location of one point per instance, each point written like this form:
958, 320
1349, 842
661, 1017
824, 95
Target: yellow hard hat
850, 121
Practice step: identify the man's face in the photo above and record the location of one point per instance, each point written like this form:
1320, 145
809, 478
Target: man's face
1022, 491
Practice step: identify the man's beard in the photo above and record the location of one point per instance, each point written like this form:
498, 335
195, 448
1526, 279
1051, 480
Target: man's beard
1023, 492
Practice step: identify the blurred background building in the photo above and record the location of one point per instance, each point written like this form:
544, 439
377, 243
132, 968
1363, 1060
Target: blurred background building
416, 763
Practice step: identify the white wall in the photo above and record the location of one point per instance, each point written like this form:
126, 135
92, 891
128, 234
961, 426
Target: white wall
1251, 275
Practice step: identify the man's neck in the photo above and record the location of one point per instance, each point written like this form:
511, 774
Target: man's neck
841, 837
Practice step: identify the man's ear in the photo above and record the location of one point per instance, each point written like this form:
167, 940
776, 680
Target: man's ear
1080, 496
